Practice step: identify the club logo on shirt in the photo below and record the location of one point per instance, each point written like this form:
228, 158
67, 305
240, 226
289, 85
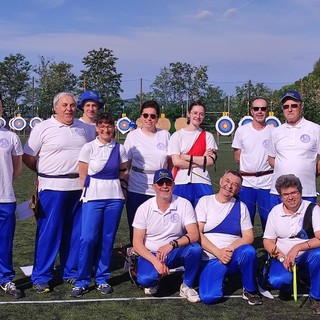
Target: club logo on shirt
305, 138
161, 146
79, 131
4, 143
174, 218
265, 143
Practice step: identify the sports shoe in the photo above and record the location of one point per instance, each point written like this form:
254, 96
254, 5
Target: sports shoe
189, 293
41, 287
105, 288
70, 281
315, 305
10, 289
151, 290
77, 292
253, 298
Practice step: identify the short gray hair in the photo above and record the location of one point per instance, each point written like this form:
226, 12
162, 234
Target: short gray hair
288, 181
58, 96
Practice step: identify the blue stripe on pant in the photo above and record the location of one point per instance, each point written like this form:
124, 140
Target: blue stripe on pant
308, 263
58, 230
7, 227
188, 256
100, 221
213, 273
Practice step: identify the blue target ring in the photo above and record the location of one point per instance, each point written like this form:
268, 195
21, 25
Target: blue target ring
123, 124
273, 121
245, 120
34, 121
225, 126
18, 123
2, 122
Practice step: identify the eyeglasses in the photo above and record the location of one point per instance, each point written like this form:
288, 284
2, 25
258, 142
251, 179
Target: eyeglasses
161, 182
255, 109
287, 106
103, 127
292, 194
151, 115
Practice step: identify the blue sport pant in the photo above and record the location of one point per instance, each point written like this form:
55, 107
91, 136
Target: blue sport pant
58, 230
309, 265
188, 256
193, 191
7, 227
100, 221
213, 273
253, 198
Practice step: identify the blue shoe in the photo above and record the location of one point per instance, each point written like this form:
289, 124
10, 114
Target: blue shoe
10, 289
77, 292
105, 288
41, 287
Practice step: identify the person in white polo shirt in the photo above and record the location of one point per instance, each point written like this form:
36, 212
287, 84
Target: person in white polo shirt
250, 146
165, 236
11, 165
294, 148
52, 151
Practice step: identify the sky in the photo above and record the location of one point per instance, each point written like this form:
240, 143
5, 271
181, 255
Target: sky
275, 42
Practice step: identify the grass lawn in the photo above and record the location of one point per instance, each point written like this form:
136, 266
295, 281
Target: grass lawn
116, 305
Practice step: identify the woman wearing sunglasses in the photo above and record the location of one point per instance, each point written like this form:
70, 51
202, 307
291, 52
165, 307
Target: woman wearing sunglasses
192, 150
147, 152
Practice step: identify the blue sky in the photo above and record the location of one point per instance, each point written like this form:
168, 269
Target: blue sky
271, 41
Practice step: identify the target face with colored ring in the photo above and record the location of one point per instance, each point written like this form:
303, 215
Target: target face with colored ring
123, 125
34, 121
225, 126
2, 122
10, 124
245, 120
273, 121
18, 123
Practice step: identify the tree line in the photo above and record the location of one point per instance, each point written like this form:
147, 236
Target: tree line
29, 89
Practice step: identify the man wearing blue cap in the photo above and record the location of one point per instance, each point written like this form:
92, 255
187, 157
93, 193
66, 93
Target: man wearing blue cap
165, 236
90, 102
294, 147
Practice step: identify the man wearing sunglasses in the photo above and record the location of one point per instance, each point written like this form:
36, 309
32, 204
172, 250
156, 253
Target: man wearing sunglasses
165, 236
294, 147
250, 145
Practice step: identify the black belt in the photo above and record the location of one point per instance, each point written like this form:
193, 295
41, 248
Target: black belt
59, 176
136, 169
256, 174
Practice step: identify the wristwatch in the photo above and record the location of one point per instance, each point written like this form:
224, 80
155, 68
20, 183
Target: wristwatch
282, 259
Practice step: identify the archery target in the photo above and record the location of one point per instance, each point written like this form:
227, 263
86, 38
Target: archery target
273, 121
245, 120
225, 125
164, 123
34, 121
18, 123
2, 122
123, 124
180, 123
10, 124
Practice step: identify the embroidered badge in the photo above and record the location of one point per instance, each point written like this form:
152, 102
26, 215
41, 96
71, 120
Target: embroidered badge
174, 218
265, 143
305, 138
4, 143
161, 146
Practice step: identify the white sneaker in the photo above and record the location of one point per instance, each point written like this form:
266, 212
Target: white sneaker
189, 293
151, 290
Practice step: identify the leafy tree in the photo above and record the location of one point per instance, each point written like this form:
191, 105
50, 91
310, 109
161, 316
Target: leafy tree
14, 79
316, 68
101, 75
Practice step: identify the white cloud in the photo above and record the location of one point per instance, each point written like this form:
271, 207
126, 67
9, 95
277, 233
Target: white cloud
204, 14
229, 13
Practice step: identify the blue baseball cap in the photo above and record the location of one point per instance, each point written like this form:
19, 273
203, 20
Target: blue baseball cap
291, 94
162, 174
90, 95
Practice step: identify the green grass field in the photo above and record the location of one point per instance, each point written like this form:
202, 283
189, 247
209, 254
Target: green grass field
128, 301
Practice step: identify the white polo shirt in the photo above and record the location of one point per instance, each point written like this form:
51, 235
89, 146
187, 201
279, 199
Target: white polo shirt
96, 155
281, 226
57, 147
212, 213
295, 149
181, 142
254, 154
163, 227
10, 145
146, 153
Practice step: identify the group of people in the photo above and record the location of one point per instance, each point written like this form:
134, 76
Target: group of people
85, 178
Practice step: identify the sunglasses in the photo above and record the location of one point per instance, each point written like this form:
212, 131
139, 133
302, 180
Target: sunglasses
255, 109
151, 115
164, 181
287, 106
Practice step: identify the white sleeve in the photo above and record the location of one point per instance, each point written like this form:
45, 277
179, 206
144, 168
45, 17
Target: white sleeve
84, 155
201, 210
236, 143
245, 217
210, 141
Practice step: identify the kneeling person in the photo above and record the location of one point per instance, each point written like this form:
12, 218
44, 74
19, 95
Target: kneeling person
225, 235
165, 236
